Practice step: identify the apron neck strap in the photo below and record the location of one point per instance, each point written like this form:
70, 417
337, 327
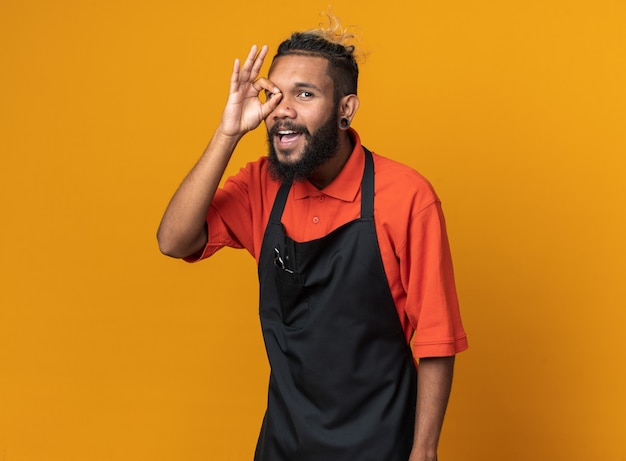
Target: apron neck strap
367, 186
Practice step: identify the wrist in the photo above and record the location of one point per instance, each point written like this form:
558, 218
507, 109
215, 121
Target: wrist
226, 136
423, 455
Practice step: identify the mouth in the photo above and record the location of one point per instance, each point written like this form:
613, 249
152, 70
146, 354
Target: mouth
287, 136
287, 139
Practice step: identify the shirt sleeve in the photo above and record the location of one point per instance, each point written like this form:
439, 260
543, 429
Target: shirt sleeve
229, 219
426, 270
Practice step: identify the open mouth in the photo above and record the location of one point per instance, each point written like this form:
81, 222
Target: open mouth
287, 136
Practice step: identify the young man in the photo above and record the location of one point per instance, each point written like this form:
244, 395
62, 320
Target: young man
353, 262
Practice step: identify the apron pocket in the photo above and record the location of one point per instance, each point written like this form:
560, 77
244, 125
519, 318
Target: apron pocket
294, 305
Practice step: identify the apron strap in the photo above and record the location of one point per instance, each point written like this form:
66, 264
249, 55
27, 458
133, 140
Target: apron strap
367, 186
279, 202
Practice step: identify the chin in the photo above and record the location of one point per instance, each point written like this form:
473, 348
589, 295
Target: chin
288, 157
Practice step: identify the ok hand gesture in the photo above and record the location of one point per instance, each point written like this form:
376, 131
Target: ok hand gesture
244, 110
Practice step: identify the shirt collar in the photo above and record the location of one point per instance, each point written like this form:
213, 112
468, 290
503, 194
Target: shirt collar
347, 183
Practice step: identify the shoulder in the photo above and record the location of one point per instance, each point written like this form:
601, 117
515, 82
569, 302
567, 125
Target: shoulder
400, 186
252, 176
254, 169
251, 190
406, 207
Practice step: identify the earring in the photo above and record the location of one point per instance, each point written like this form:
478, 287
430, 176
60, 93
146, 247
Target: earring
344, 123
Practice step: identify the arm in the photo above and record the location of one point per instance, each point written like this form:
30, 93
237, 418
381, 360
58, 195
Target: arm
182, 230
433, 390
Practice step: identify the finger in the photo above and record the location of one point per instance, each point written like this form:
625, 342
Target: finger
248, 65
234, 78
258, 62
273, 96
264, 84
271, 104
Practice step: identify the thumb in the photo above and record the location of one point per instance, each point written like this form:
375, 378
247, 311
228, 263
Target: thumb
270, 105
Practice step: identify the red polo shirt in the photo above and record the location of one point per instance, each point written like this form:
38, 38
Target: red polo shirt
409, 224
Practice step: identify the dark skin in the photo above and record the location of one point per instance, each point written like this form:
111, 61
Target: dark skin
303, 92
298, 90
308, 99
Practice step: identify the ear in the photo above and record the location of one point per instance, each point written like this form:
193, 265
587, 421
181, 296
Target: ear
348, 105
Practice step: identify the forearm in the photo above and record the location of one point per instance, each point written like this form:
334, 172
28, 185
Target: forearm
182, 229
433, 390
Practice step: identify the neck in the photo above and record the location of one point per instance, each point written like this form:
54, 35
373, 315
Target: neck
327, 172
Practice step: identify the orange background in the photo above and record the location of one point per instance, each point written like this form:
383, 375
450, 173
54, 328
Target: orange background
515, 110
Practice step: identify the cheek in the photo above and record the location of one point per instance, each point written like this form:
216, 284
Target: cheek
316, 121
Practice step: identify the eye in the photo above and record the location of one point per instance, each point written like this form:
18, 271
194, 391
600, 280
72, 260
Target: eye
305, 94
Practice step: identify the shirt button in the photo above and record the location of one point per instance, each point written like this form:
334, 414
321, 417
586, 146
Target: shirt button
321, 198
316, 220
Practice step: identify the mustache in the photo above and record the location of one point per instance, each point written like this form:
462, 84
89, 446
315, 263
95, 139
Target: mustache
288, 126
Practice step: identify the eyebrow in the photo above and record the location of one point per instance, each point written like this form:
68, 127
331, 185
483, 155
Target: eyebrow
306, 85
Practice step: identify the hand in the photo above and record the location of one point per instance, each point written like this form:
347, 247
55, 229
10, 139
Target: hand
244, 110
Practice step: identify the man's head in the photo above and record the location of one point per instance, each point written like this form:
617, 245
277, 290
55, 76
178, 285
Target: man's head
342, 65
317, 76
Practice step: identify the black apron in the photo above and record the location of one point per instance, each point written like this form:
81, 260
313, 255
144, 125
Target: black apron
343, 381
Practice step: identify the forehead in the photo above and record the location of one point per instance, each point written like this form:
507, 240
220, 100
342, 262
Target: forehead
292, 69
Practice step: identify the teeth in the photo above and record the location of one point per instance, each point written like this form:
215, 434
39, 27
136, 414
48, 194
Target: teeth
283, 133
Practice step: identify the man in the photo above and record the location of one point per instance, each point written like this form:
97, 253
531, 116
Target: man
353, 262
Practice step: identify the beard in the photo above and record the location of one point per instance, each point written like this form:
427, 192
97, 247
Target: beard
320, 147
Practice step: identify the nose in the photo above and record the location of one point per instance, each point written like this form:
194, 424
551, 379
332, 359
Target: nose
284, 109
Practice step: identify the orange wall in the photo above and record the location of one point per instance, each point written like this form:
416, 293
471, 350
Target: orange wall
515, 110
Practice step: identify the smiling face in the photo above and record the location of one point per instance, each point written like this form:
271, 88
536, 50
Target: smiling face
303, 129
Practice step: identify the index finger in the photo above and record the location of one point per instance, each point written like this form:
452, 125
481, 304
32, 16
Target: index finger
267, 85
